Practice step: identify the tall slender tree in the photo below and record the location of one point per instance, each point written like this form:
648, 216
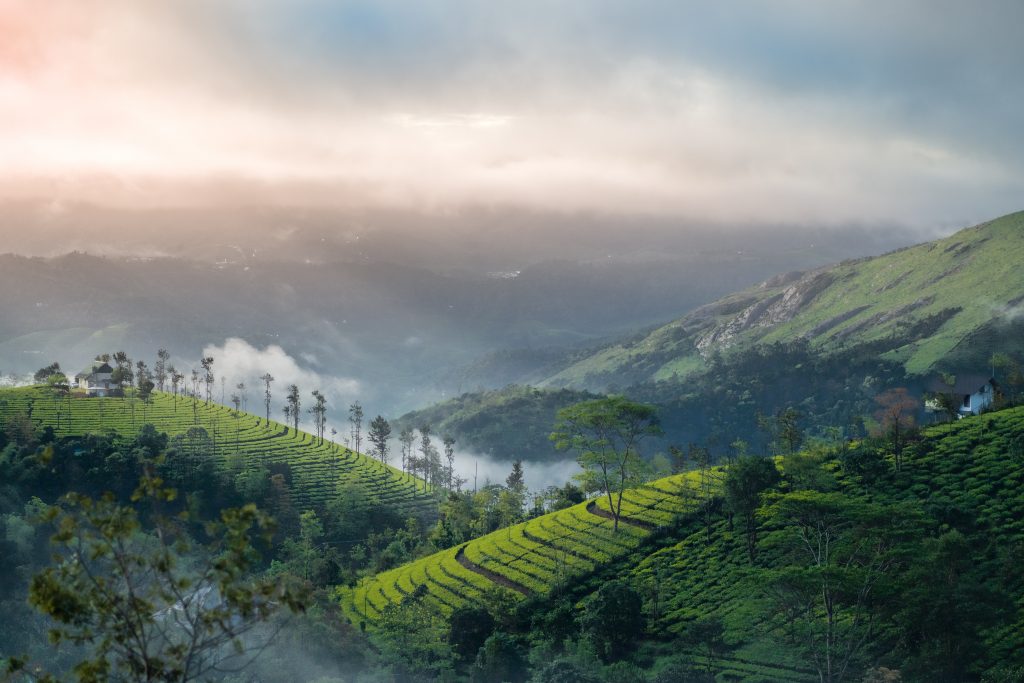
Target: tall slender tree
426, 453
207, 363
319, 413
295, 404
407, 437
267, 379
243, 395
449, 454
355, 418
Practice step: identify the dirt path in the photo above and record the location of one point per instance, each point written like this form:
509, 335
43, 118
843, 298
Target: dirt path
502, 581
594, 510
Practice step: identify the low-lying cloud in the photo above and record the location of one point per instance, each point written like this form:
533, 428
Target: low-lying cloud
239, 361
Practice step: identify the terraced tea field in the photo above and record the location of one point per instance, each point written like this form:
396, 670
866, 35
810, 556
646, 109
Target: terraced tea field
528, 558
316, 469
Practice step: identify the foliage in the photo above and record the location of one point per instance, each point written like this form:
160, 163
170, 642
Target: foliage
606, 434
613, 620
143, 609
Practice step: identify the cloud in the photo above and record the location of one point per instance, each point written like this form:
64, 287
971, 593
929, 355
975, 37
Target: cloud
776, 112
239, 361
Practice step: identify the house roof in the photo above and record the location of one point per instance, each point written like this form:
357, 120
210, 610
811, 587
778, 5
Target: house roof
96, 366
965, 384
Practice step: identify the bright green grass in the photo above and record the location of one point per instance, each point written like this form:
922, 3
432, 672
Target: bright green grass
976, 270
538, 554
317, 469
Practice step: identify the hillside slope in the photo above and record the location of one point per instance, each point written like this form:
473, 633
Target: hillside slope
964, 479
917, 306
313, 471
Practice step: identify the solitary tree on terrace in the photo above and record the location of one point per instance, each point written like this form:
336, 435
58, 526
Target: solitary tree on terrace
606, 434
380, 432
242, 393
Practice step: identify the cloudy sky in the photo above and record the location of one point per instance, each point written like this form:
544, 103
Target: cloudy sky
817, 112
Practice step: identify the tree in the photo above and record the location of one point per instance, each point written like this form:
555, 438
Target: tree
242, 394
160, 370
355, 419
501, 658
267, 379
606, 434
745, 481
61, 389
407, 438
293, 405
380, 432
789, 433
468, 629
837, 554
42, 374
613, 619
449, 455
426, 449
319, 413
156, 606
122, 374
207, 364
896, 415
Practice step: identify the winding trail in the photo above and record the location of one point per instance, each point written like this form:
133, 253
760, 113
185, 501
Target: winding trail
594, 510
494, 577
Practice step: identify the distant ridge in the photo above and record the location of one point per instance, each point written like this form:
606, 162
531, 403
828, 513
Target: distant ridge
918, 306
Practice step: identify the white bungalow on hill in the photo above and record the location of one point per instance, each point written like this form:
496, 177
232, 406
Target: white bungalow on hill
95, 379
974, 393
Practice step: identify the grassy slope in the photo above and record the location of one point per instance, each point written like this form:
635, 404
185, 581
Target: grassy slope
317, 469
975, 270
538, 554
973, 467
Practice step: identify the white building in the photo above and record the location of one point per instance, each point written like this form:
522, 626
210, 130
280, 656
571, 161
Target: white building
95, 379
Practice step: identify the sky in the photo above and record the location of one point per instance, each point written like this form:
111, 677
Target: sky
902, 112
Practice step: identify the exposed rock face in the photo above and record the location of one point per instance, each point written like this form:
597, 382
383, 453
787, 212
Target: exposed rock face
767, 312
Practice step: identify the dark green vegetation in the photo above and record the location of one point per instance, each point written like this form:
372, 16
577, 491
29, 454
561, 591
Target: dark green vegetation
823, 342
509, 424
829, 564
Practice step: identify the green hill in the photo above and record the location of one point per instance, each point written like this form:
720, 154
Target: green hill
947, 300
316, 470
961, 486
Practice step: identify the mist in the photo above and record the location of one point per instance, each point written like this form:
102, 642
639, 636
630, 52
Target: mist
538, 475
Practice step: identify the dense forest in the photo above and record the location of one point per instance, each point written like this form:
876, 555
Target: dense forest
713, 573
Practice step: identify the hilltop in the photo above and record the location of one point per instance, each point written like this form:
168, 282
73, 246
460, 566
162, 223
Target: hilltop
933, 305
313, 471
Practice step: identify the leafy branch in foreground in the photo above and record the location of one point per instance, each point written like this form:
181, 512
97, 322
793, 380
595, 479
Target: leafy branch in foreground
155, 606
